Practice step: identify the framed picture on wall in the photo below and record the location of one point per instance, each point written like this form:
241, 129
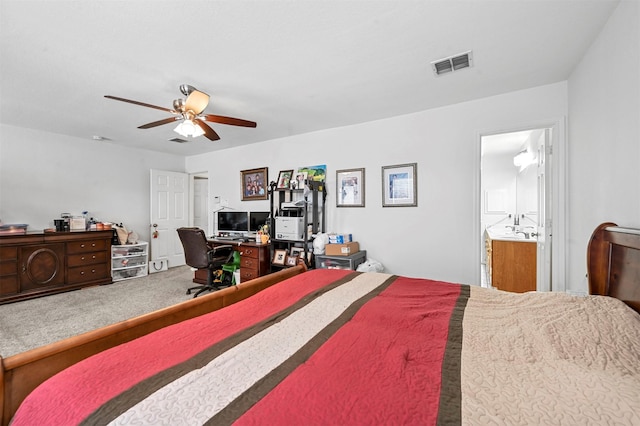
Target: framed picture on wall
316, 173
298, 180
284, 177
254, 184
400, 185
350, 188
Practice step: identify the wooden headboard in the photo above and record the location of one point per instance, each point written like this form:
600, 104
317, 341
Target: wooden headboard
613, 263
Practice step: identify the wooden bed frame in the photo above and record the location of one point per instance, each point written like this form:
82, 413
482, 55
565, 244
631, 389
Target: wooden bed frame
613, 264
21, 373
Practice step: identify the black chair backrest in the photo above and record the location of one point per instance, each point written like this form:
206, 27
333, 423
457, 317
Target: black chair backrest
196, 249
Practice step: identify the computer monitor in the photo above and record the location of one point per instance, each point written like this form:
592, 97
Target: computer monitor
233, 221
256, 220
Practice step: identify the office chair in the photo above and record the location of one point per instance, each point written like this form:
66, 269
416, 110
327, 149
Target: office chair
200, 255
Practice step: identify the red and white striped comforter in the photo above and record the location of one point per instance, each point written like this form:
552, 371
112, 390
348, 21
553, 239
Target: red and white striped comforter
338, 347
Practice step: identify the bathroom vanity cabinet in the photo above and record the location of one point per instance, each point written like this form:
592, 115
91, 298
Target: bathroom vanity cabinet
512, 264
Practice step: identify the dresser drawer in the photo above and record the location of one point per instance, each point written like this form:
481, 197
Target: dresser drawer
87, 258
8, 253
84, 246
8, 268
251, 252
248, 274
9, 284
249, 263
88, 273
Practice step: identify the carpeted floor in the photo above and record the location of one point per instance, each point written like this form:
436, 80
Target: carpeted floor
32, 323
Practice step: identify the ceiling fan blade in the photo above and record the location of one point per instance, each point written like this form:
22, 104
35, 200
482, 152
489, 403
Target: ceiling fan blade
196, 101
229, 120
159, 122
140, 103
209, 133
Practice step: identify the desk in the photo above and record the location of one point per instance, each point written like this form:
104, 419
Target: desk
254, 260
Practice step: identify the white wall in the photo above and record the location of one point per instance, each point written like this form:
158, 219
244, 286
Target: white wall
44, 174
604, 135
438, 238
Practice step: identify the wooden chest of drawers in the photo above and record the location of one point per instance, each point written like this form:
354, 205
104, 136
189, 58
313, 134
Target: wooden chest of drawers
254, 260
37, 264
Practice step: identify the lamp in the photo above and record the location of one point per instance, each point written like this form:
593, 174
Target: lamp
188, 128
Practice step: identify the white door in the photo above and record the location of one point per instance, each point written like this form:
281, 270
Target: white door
544, 226
169, 211
201, 203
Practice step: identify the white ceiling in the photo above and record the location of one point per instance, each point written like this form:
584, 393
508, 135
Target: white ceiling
291, 66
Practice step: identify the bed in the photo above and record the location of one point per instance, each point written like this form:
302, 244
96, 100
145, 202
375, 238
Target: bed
343, 347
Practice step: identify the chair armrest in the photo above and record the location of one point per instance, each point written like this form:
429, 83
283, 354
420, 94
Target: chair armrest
223, 247
213, 253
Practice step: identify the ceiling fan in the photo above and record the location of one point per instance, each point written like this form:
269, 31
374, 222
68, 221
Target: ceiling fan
188, 111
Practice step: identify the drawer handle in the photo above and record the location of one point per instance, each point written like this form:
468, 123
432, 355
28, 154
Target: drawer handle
249, 251
249, 263
81, 245
93, 257
81, 272
93, 244
82, 258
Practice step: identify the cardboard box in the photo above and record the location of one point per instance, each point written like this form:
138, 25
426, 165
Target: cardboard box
340, 238
345, 249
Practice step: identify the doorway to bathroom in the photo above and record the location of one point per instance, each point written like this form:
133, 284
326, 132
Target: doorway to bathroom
516, 209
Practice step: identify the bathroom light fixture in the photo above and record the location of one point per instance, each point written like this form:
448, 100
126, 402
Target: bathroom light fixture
523, 159
189, 128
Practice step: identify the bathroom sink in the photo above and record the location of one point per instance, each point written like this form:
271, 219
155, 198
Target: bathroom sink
511, 237
507, 234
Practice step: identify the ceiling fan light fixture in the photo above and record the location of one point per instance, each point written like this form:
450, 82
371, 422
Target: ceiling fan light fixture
188, 111
196, 102
178, 105
186, 89
188, 128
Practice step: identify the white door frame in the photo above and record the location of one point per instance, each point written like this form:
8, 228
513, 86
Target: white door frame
559, 199
192, 204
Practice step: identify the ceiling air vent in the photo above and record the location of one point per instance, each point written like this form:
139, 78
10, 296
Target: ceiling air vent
178, 140
452, 63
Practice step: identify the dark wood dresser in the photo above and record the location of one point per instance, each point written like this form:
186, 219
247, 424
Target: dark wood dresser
38, 264
254, 260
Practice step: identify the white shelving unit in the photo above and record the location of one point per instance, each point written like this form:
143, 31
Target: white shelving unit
129, 261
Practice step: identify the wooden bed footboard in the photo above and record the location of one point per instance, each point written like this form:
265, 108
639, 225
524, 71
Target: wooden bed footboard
21, 373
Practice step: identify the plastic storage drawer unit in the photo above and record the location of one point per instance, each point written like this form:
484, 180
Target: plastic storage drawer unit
340, 262
129, 261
